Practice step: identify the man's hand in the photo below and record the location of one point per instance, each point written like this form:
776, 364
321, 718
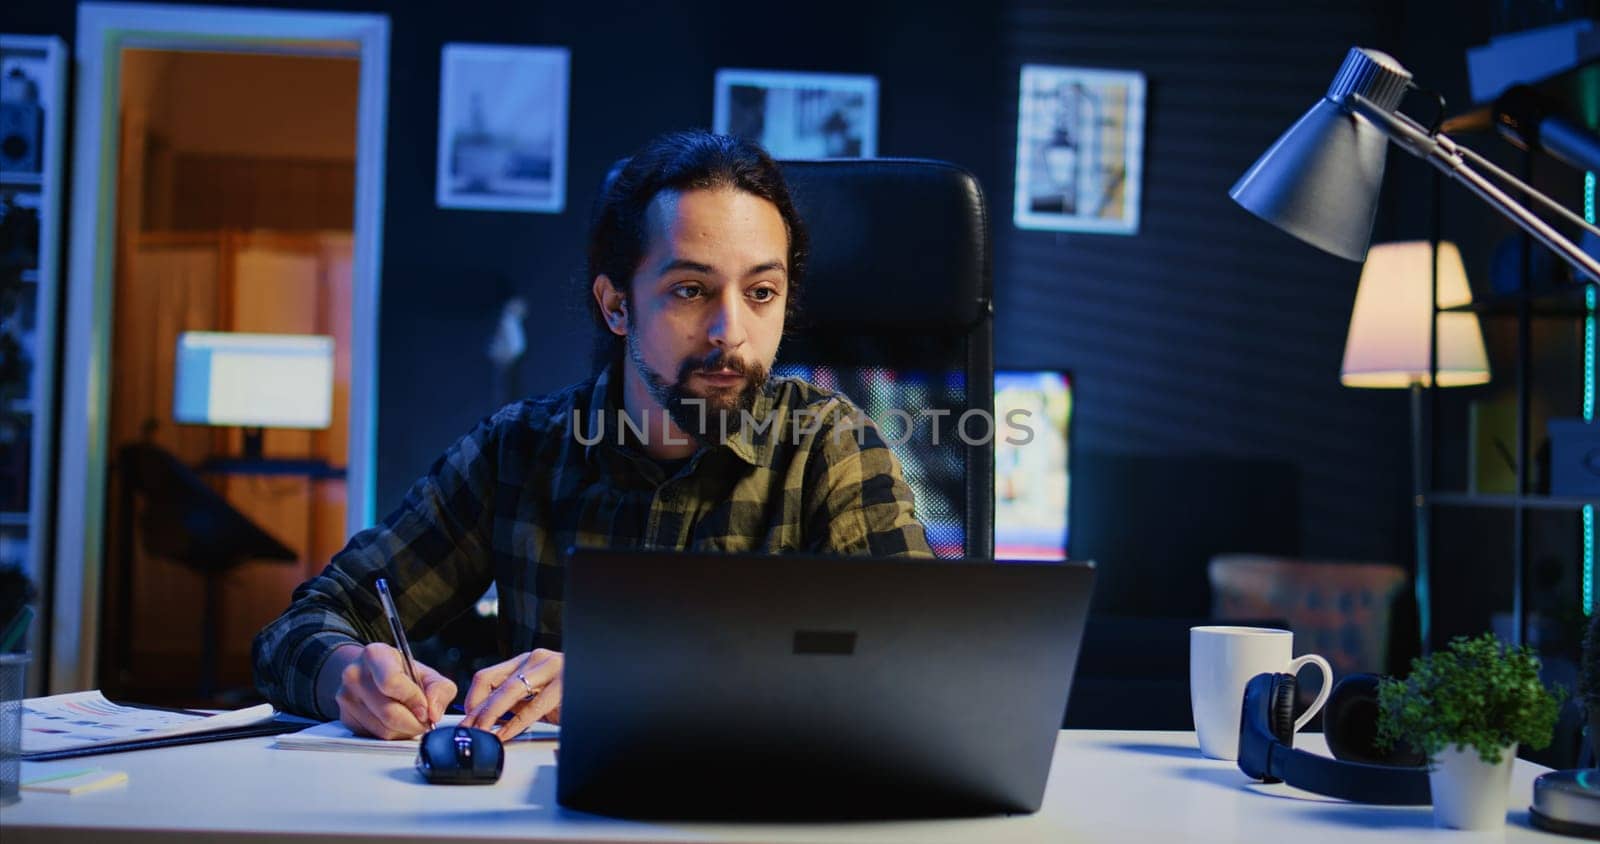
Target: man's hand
377, 698
528, 686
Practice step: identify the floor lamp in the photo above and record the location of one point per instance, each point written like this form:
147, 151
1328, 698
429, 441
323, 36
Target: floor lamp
1388, 347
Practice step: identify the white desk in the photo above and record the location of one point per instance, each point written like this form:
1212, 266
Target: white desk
1104, 786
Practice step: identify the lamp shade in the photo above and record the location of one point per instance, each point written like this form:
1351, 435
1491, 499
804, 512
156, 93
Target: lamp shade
1387, 346
1320, 180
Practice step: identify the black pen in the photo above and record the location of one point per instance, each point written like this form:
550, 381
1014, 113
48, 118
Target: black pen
400, 642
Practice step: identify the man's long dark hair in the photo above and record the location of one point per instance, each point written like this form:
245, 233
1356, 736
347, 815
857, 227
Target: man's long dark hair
678, 161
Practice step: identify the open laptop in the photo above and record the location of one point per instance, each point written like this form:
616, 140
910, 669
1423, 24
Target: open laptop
744, 686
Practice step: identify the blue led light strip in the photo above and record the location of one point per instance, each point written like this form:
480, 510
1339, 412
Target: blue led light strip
1588, 197
1588, 406
1588, 322
1588, 560
1588, 355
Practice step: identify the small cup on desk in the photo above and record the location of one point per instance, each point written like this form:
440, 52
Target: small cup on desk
1221, 662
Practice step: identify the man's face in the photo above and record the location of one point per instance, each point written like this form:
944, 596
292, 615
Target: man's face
706, 305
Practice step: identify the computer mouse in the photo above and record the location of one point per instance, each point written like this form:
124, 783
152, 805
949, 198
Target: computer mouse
460, 756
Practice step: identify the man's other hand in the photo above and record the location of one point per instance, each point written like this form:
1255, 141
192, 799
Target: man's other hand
528, 687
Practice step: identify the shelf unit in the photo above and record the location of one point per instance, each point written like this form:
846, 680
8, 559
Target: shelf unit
30, 186
1574, 302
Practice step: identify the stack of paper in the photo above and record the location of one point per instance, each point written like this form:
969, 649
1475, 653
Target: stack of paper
86, 719
334, 735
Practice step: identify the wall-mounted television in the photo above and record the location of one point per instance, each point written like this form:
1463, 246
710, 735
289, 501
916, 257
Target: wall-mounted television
1032, 466
254, 380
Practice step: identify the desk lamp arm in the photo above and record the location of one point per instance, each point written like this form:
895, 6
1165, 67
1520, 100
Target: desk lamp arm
1447, 156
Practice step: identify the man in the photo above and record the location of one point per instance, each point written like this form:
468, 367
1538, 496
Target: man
696, 257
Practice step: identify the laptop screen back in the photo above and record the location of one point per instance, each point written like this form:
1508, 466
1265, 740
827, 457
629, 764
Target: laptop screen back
752, 686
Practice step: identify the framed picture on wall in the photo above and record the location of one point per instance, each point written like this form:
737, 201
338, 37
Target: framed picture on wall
799, 115
1080, 143
503, 128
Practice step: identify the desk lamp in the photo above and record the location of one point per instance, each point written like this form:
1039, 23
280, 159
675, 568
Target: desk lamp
1320, 182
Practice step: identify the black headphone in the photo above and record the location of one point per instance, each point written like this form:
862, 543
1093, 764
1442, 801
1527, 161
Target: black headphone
1360, 772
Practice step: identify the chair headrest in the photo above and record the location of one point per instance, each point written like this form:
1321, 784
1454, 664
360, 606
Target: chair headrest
893, 241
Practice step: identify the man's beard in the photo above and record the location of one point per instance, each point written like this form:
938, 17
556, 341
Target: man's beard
709, 418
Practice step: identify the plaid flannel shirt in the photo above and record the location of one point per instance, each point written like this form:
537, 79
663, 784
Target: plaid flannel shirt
504, 503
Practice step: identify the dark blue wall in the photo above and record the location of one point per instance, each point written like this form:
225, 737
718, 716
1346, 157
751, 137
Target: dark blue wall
1210, 332
1208, 338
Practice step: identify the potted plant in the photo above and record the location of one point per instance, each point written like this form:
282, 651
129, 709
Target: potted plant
1467, 708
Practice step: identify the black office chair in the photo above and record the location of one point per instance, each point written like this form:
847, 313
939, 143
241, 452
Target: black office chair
186, 521
897, 312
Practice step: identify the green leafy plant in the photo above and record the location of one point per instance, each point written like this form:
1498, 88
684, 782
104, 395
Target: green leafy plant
1478, 693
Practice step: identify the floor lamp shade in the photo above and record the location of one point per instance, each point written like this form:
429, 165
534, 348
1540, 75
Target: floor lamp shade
1387, 346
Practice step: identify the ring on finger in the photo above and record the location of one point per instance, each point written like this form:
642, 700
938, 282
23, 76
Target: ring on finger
526, 685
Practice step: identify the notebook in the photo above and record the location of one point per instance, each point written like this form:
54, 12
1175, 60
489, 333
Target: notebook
335, 736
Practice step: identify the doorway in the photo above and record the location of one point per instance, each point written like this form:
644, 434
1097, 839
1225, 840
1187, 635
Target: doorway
236, 187
189, 214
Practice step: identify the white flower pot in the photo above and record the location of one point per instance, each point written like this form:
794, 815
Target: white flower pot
1469, 793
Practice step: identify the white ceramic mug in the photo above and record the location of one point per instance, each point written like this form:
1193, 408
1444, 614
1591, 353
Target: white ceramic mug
1221, 662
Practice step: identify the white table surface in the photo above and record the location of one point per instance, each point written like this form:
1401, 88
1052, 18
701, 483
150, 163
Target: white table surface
1104, 786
